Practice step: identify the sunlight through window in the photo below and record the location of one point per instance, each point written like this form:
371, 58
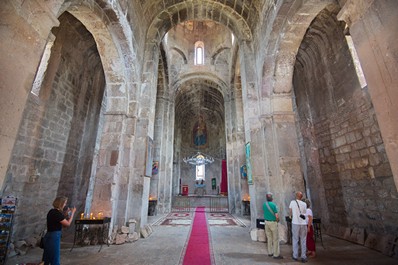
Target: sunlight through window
199, 53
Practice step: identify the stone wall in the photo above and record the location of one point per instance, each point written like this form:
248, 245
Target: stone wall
55, 144
354, 165
341, 142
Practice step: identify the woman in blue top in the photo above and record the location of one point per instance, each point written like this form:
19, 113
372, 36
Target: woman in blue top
55, 221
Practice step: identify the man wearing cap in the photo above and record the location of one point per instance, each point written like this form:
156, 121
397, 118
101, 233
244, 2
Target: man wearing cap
271, 218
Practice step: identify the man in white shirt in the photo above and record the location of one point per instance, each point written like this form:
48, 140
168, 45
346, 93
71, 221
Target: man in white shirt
297, 210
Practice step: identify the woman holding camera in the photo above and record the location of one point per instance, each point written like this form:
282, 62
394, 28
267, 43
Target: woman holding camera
297, 209
55, 221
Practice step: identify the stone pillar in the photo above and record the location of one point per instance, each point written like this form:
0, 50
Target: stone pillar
161, 184
274, 144
109, 191
233, 187
235, 146
139, 183
373, 27
168, 167
281, 158
253, 133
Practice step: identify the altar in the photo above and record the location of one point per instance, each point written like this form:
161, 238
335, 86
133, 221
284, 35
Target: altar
200, 189
212, 203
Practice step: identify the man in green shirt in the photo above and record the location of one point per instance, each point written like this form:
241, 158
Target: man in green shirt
271, 218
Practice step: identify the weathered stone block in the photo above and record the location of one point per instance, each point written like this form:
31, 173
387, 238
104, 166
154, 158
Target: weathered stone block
373, 241
149, 229
261, 235
388, 243
124, 230
133, 237
120, 239
347, 233
358, 236
144, 232
132, 225
253, 234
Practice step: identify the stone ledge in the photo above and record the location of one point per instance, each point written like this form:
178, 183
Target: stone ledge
386, 244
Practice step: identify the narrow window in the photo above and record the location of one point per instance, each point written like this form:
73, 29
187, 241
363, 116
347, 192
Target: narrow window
357, 64
199, 53
42, 66
200, 172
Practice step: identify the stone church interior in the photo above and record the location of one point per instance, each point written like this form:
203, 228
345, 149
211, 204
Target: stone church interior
134, 108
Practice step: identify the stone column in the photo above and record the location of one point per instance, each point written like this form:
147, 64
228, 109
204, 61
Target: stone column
138, 182
161, 184
235, 146
110, 188
169, 150
233, 188
373, 27
253, 133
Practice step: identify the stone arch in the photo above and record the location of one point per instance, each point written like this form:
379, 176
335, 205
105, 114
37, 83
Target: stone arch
210, 78
200, 81
173, 14
118, 56
285, 48
290, 25
231, 15
113, 46
181, 53
205, 10
217, 54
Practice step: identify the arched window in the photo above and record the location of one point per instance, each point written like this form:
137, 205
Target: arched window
199, 53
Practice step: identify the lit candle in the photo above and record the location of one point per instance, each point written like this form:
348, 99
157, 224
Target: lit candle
91, 215
81, 215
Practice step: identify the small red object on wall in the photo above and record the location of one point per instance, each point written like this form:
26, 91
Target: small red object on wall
185, 189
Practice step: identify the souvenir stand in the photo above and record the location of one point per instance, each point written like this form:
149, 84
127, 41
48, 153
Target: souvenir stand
7, 211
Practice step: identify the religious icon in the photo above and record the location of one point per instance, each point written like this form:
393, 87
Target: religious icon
199, 132
213, 183
243, 171
155, 167
149, 157
248, 164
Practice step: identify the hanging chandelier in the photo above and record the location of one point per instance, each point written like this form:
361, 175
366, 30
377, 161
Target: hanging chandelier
198, 159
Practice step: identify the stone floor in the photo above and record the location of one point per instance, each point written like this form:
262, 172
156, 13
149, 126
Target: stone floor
232, 245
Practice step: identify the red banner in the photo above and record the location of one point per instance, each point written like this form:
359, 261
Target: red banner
224, 178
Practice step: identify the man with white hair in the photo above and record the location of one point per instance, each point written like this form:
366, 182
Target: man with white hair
271, 219
297, 209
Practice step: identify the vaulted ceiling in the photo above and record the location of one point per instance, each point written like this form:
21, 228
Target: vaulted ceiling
241, 16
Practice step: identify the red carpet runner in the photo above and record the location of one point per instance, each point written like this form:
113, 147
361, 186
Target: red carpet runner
198, 249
